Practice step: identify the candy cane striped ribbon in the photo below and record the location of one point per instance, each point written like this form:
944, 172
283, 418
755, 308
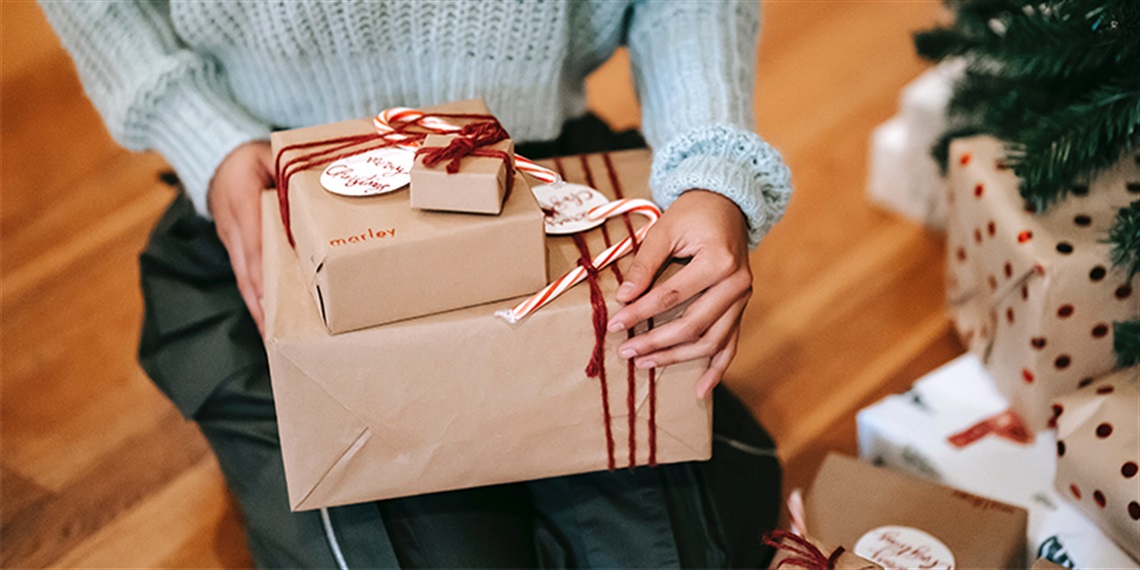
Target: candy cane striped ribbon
611, 254
385, 120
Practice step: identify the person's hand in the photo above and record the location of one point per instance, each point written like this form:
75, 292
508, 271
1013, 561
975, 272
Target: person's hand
711, 230
234, 200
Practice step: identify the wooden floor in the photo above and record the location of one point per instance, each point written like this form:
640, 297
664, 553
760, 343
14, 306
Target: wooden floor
99, 470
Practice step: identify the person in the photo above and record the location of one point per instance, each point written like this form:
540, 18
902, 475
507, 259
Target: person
204, 82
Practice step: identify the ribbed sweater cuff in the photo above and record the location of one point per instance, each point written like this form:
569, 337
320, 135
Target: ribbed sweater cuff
732, 162
195, 129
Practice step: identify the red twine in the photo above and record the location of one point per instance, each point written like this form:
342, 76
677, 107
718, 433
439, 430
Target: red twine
471, 141
596, 366
804, 553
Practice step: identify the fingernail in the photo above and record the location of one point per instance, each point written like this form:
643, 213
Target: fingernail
628, 353
616, 326
646, 364
626, 289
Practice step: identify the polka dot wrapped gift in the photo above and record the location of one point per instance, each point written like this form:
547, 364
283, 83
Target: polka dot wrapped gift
1034, 294
1098, 450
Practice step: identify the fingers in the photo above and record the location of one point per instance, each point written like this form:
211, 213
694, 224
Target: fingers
651, 254
251, 246
234, 200
698, 317
704, 346
249, 293
718, 365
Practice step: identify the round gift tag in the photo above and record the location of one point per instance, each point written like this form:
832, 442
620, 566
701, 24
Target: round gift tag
370, 173
567, 205
904, 547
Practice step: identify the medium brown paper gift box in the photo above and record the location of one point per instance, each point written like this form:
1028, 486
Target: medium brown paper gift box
479, 187
373, 260
850, 502
462, 399
1035, 296
1098, 450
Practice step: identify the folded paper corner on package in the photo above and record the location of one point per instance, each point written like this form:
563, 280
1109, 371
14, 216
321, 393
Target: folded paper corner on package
461, 399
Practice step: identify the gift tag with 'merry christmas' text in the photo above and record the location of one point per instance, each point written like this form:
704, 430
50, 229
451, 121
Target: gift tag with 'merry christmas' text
370, 173
567, 207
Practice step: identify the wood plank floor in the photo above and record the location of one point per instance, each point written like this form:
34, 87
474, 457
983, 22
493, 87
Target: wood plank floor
100, 471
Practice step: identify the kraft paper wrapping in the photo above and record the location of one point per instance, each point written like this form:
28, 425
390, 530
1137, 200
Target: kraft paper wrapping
1098, 449
462, 399
1035, 295
374, 260
479, 187
898, 521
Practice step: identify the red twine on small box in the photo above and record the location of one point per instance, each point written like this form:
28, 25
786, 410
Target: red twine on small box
804, 553
471, 141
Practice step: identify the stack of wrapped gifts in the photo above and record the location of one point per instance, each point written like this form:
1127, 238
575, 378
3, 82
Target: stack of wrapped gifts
391, 372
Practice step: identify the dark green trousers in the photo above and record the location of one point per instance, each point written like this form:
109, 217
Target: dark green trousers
201, 348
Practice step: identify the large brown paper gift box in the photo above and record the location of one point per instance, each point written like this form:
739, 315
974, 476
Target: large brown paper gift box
462, 399
882, 516
1035, 296
373, 260
1098, 450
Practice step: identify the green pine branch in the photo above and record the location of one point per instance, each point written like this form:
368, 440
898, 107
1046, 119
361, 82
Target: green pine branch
1059, 76
1079, 141
1126, 343
1124, 235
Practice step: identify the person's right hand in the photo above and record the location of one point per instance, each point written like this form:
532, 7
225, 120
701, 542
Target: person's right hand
234, 199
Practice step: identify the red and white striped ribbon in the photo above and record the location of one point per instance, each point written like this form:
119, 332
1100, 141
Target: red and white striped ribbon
397, 115
603, 259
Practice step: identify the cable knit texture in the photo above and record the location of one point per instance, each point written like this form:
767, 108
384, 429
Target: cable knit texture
193, 79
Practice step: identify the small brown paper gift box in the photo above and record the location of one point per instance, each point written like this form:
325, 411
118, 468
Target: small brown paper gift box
1098, 450
479, 187
899, 521
1035, 296
373, 260
462, 399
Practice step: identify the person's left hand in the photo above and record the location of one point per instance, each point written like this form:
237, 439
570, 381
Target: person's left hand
711, 230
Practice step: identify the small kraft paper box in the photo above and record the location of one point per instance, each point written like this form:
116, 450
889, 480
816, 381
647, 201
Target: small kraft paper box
479, 187
1035, 295
463, 399
898, 521
374, 259
1098, 450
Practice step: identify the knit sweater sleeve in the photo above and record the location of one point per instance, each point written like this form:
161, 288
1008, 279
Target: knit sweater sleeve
152, 92
694, 67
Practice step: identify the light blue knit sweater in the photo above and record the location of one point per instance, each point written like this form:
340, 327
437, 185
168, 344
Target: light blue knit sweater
193, 79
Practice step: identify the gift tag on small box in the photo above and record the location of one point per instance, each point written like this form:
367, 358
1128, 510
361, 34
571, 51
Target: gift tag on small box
479, 187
